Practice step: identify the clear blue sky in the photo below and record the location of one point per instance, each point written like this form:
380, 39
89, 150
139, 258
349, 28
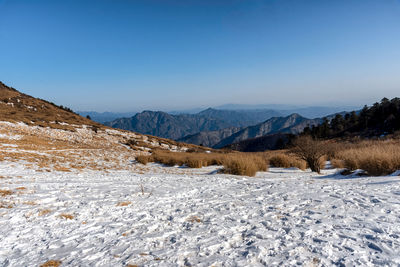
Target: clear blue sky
122, 55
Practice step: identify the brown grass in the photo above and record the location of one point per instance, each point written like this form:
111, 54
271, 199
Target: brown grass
31, 203
61, 169
286, 161
4, 205
143, 159
4, 193
66, 216
234, 163
123, 204
377, 157
194, 219
374, 157
21, 188
51, 263
244, 165
44, 212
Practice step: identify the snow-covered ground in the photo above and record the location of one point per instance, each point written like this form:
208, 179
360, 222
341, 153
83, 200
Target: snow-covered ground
186, 217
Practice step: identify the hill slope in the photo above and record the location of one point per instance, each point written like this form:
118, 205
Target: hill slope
18, 107
50, 138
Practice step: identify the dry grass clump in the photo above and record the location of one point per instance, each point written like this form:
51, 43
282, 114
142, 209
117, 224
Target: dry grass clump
44, 212
374, 157
280, 160
287, 161
234, 163
66, 216
143, 159
4, 193
21, 188
61, 168
30, 202
194, 219
51, 263
4, 205
244, 164
195, 163
337, 163
124, 203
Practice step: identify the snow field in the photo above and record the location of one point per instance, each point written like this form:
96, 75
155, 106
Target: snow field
282, 217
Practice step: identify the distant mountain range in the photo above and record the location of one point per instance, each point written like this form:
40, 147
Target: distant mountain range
212, 127
285, 110
292, 124
165, 125
276, 110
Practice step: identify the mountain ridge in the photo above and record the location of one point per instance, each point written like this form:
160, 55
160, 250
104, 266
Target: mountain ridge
292, 124
19, 107
171, 126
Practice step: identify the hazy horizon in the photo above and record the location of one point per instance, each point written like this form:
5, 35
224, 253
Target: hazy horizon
196, 109
127, 56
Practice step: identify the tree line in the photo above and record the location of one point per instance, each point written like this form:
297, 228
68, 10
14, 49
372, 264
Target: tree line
379, 119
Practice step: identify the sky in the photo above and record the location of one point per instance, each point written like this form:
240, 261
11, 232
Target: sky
125, 55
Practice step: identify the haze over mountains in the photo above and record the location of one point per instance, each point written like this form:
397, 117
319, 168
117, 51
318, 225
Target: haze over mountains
278, 109
218, 128
291, 124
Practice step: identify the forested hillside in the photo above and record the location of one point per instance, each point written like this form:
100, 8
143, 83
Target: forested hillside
379, 119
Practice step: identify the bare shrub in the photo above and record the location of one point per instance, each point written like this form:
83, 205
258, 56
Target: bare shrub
312, 151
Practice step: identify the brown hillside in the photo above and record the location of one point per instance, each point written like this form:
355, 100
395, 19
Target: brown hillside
18, 107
